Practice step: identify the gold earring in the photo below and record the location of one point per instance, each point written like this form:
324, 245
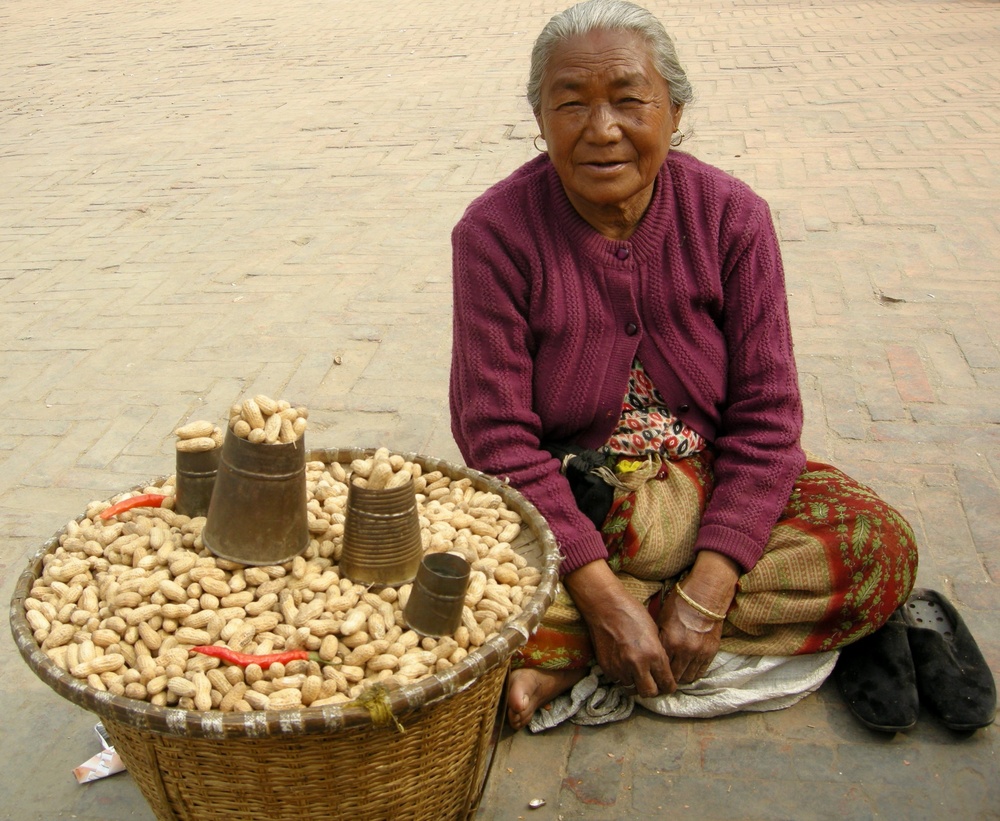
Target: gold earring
535, 143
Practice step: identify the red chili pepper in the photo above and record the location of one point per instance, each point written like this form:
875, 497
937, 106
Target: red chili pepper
243, 659
142, 500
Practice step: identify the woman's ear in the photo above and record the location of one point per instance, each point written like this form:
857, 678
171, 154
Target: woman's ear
678, 110
538, 122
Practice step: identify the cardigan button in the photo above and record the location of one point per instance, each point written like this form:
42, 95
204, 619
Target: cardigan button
622, 253
631, 329
683, 408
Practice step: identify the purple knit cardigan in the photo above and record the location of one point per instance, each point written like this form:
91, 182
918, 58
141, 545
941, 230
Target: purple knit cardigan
549, 314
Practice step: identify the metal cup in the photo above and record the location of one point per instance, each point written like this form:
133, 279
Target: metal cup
381, 535
195, 481
257, 515
438, 595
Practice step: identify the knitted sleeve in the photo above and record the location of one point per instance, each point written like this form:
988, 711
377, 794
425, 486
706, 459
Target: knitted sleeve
757, 444
493, 380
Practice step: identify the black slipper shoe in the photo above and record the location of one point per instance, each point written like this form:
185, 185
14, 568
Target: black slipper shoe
875, 675
953, 678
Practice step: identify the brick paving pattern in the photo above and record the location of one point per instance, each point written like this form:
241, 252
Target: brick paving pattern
205, 200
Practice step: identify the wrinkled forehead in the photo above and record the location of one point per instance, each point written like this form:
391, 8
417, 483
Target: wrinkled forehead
615, 59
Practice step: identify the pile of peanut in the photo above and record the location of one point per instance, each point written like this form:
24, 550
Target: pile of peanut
262, 419
196, 437
120, 603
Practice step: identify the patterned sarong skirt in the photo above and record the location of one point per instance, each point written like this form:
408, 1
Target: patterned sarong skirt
838, 563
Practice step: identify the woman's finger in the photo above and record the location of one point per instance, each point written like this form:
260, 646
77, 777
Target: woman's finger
695, 670
644, 685
666, 681
679, 664
690, 674
694, 667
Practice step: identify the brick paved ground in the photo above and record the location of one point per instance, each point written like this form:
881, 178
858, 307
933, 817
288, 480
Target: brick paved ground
202, 200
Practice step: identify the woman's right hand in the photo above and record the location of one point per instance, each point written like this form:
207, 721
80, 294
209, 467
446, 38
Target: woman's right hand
624, 635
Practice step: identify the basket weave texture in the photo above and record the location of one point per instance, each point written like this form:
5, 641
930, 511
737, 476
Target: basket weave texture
324, 762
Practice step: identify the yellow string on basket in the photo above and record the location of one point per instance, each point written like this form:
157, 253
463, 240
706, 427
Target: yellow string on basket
375, 700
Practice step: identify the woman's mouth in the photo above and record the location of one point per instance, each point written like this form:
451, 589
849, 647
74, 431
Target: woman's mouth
605, 165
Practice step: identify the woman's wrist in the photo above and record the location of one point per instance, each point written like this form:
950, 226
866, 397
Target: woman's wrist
594, 588
718, 565
711, 582
704, 611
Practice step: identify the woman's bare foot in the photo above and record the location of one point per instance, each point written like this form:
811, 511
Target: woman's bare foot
531, 688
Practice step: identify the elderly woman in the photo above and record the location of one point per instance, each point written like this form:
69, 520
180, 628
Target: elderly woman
618, 296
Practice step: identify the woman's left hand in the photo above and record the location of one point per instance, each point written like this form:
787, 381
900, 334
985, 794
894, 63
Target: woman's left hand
690, 638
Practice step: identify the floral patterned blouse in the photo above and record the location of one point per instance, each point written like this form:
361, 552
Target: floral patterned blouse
647, 426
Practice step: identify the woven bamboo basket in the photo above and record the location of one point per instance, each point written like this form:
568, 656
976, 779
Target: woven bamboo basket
325, 762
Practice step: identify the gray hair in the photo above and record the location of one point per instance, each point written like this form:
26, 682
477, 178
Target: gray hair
609, 15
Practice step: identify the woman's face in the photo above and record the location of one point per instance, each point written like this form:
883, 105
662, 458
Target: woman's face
607, 120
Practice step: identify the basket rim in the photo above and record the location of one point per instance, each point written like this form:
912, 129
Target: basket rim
306, 720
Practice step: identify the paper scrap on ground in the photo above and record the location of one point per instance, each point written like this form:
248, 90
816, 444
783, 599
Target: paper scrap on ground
103, 764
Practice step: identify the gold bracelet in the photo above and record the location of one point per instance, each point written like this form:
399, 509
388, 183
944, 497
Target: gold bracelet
703, 610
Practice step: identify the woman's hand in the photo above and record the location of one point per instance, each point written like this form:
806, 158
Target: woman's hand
691, 639
623, 633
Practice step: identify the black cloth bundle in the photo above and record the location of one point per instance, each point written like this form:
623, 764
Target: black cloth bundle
593, 495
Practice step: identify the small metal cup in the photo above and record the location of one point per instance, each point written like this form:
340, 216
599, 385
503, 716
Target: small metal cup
438, 595
196, 474
381, 535
257, 515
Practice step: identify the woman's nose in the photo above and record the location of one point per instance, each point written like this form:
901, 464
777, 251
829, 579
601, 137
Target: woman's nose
602, 125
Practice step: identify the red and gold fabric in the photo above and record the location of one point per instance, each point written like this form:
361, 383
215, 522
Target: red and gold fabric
838, 563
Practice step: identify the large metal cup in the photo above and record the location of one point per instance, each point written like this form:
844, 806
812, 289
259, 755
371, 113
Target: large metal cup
196, 474
381, 535
257, 515
438, 595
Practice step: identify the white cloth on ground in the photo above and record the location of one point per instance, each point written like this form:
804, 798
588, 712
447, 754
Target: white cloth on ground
733, 683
